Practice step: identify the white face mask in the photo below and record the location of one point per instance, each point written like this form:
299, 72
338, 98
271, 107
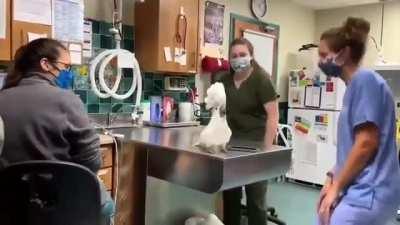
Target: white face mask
240, 64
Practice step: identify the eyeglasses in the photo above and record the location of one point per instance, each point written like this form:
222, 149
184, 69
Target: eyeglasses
67, 66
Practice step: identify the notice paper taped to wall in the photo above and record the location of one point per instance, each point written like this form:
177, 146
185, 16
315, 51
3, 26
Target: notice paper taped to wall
34, 36
33, 11
87, 39
3, 19
68, 20
75, 52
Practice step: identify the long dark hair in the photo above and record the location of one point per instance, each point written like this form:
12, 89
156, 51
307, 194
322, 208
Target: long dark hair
27, 59
353, 34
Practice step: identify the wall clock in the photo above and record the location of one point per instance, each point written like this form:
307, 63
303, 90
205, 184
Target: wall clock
259, 8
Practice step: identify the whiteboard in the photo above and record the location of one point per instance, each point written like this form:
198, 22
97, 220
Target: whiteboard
263, 49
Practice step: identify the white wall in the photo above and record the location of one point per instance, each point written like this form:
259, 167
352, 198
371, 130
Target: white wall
297, 27
326, 19
391, 32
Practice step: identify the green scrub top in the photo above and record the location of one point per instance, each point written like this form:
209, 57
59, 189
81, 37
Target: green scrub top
245, 110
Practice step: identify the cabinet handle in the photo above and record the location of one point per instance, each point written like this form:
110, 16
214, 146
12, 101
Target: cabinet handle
103, 157
193, 64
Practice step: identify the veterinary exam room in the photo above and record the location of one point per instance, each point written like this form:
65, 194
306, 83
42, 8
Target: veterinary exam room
199, 112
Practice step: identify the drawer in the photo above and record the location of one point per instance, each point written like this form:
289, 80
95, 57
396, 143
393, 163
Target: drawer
105, 175
106, 157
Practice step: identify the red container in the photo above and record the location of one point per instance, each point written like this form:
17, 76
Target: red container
168, 109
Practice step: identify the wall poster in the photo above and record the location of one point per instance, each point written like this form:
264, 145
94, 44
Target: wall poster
214, 23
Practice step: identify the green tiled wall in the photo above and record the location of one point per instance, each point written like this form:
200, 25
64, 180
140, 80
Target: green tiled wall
153, 84
94, 104
101, 40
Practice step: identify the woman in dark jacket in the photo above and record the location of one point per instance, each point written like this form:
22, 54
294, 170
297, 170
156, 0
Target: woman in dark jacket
42, 120
252, 114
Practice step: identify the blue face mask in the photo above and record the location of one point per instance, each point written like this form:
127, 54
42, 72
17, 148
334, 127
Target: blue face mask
331, 68
65, 79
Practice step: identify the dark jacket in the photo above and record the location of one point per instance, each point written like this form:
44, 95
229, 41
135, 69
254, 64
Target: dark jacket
44, 122
245, 111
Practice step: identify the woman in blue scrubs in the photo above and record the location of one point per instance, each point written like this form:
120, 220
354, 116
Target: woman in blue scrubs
364, 186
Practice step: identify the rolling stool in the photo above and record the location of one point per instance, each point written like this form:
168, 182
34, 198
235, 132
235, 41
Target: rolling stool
272, 216
46, 193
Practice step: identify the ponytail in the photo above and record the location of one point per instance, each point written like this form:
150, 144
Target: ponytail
353, 34
27, 59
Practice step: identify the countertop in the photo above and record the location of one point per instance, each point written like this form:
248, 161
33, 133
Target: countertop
183, 139
105, 139
173, 157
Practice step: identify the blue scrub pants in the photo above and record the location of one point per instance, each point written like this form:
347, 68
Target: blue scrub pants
380, 214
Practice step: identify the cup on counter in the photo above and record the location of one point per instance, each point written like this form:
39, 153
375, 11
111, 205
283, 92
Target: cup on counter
156, 109
168, 109
145, 105
185, 112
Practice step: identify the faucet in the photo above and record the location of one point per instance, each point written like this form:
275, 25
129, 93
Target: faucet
136, 117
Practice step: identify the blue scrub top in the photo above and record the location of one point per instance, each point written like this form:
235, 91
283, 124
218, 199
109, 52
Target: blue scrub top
369, 99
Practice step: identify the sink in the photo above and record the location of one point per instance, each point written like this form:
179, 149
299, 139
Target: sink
111, 120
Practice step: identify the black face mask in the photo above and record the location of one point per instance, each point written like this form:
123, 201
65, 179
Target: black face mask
331, 68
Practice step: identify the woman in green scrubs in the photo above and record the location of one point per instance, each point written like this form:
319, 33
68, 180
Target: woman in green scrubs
252, 114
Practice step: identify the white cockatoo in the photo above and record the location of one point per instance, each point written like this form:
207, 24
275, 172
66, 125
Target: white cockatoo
215, 136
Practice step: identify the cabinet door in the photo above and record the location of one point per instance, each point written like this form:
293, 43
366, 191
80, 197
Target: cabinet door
105, 175
5, 44
169, 12
146, 34
20, 31
106, 156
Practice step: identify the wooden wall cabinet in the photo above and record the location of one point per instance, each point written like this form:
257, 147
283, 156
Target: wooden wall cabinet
17, 34
156, 28
5, 44
20, 31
